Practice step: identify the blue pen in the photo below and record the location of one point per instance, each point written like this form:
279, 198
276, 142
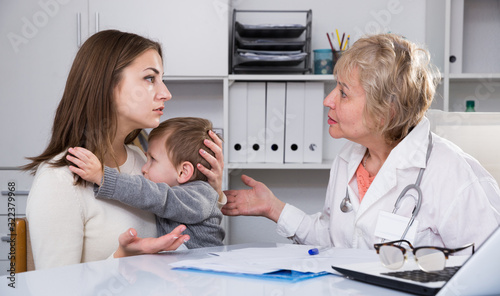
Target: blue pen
315, 251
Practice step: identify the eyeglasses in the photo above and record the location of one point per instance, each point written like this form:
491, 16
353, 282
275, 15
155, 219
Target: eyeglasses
429, 259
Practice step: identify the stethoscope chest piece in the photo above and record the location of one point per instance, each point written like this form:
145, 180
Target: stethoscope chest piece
345, 205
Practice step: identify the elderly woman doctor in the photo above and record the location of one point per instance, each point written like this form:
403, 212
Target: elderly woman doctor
393, 163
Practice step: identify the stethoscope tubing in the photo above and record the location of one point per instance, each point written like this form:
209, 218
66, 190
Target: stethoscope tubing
346, 205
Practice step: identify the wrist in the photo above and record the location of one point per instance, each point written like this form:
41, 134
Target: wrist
99, 179
118, 253
275, 210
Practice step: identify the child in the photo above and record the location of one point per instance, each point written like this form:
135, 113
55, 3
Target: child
172, 187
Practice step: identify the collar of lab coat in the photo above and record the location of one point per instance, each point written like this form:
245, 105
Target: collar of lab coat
412, 150
409, 153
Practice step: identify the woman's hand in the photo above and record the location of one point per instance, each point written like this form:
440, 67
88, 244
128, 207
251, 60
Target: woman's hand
215, 174
258, 201
131, 244
87, 165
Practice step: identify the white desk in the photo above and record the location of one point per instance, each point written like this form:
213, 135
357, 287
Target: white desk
152, 275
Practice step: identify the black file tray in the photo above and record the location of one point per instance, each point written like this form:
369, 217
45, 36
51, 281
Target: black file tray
271, 37
270, 31
269, 44
268, 70
272, 60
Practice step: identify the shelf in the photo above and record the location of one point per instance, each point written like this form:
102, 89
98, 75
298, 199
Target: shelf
270, 77
320, 78
326, 165
194, 78
474, 76
250, 77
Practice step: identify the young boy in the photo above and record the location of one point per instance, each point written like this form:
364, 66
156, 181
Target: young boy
172, 187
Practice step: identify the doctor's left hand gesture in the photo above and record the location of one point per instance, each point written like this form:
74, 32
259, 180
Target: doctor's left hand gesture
257, 201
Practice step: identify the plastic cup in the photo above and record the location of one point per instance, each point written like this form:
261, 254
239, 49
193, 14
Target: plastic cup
323, 63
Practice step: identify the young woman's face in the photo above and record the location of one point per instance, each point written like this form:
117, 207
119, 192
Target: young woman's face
159, 167
141, 93
346, 103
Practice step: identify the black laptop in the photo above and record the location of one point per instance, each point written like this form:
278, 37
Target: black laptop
477, 275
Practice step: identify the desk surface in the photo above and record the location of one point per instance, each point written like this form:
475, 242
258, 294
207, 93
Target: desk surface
152, 275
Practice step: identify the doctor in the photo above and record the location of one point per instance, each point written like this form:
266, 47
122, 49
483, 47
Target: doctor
394, 178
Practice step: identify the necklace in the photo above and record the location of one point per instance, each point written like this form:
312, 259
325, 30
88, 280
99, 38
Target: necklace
365, 158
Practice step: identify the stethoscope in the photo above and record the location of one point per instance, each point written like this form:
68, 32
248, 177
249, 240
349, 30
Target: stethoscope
346, 205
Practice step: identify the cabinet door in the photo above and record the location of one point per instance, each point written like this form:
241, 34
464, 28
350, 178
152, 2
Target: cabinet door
193, 34
39, 42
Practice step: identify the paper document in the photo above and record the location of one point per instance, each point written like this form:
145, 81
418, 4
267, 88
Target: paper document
254, 261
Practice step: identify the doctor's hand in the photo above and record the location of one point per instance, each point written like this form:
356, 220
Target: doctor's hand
214, 175
131, 244
257, 201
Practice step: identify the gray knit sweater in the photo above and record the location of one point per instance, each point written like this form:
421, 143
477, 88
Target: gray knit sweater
193, 204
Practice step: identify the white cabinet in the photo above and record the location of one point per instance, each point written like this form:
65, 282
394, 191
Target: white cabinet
464, 35
193, 34
41, 43
478, 75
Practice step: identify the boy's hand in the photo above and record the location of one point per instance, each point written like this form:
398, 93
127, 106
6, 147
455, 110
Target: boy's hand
88, 166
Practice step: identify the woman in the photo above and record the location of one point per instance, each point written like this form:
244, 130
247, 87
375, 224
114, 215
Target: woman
114, 89
384, 87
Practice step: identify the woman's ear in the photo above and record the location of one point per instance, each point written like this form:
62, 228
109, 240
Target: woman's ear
185, 172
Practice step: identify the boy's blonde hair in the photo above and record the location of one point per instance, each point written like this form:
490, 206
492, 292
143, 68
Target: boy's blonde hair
184, 139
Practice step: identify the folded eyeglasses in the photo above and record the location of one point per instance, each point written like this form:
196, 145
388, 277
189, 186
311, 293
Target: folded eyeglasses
429, 259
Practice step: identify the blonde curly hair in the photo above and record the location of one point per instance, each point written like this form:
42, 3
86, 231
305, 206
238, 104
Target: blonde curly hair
398, 79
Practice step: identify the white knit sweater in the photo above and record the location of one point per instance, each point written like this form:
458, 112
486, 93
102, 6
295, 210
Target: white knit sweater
68, 225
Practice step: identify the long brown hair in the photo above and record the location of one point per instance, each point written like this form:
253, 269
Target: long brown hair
86, 115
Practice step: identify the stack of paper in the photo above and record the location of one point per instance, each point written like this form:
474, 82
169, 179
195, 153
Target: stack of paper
287, 262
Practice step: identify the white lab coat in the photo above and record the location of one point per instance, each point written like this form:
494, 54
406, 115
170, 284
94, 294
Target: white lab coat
460, 204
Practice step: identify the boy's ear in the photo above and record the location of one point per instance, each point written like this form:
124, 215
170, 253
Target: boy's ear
185, 172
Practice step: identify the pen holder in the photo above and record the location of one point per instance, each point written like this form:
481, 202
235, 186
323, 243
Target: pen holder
324, 61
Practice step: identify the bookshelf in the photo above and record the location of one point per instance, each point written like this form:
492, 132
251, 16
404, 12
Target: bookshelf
471, 61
